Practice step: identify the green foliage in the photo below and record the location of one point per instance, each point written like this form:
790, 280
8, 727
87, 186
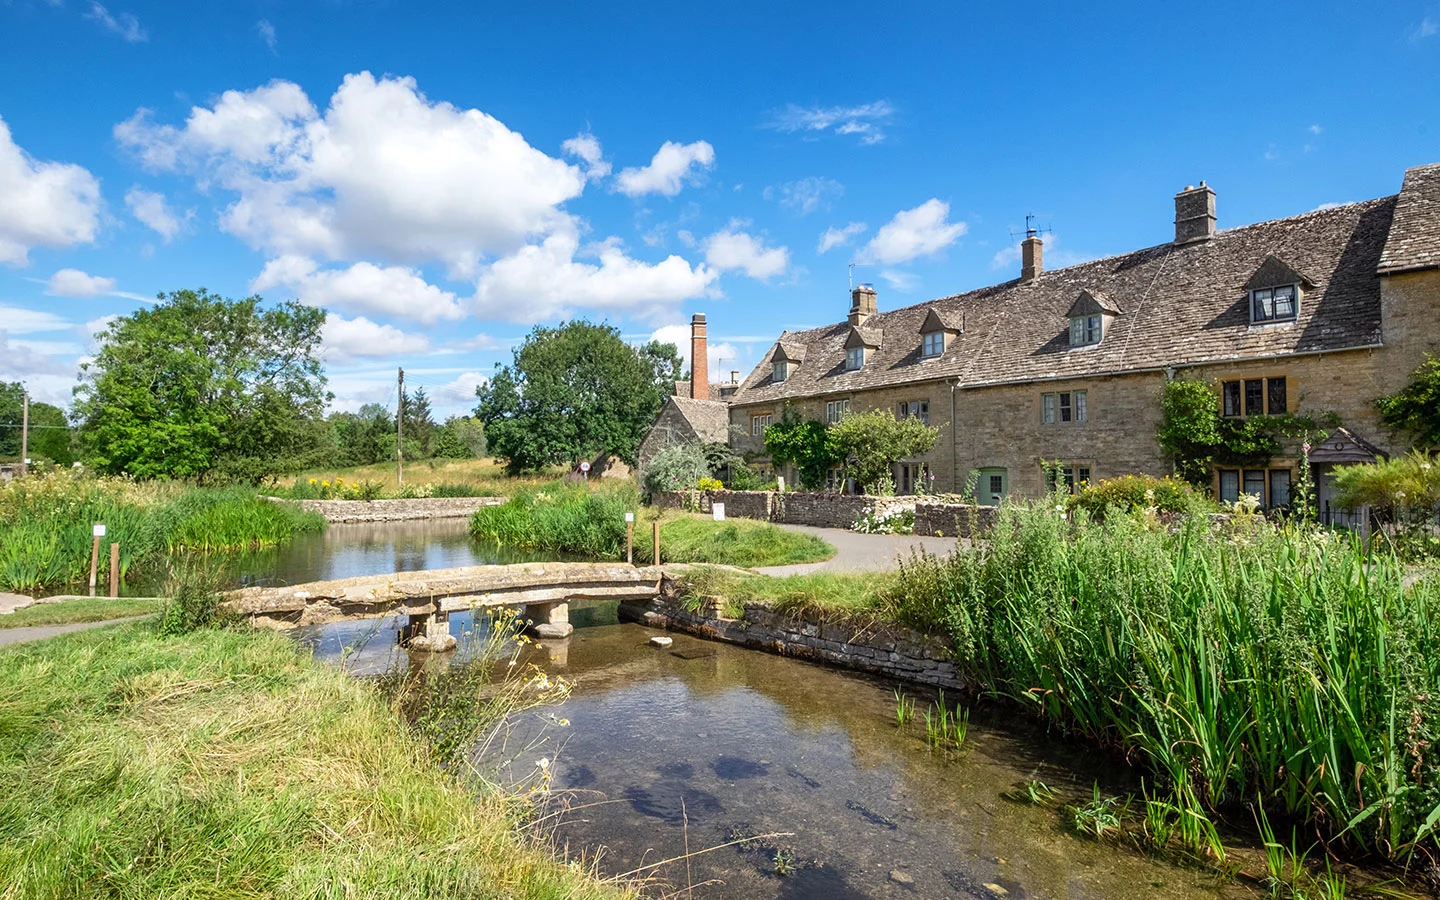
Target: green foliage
201, 386
709, 484
1406, 491
461, 437
194, 590
50, 433
808, 444
675, 468
1415, 409
872, 442
362, 438
573, 391
741, 477
419, 425
1132, 492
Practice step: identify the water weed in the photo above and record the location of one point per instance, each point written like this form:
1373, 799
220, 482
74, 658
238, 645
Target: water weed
904, 708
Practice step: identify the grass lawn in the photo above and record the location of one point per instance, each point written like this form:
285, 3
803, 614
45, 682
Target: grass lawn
487, 473
821, 597
695, 538
92, 609
225, 763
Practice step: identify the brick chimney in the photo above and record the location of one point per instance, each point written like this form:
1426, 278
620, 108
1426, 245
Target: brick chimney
699, 361
1194, 214
1032, 257
862, 304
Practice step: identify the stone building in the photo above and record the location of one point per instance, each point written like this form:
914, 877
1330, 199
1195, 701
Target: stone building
689, 416
1311, 314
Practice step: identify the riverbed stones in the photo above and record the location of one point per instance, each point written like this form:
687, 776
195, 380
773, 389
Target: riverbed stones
661, 641
900, 877
553, 630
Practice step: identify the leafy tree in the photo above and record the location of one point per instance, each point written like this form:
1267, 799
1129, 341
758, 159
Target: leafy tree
872, 442
806, 443
203, 386
49, 429
1415, 408
678, 467
360, 438
572, 392
461, 437
419, 424
664, 361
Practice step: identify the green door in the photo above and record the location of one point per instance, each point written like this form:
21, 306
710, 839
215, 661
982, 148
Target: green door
992, 487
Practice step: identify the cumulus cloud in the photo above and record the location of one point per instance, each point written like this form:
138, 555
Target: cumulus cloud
43, 204
586, 147
913, 233
151, 210
345, 339
125, 25
839, 237
458, 393
48, 379
806, 195
19, 320
904, 282
266, 32
363, 287
733, 249
75, 283
672, 166
864, 120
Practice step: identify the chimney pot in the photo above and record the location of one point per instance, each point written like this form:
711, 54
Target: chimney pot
1195, 214
1032, 258
734, 376
699, 359
862, 304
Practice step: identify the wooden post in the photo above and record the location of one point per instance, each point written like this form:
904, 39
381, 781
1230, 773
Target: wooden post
630, 540
114, 570
95, 557
655, 534
25, 435
400, 428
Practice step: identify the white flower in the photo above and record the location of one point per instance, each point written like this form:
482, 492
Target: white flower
543, 763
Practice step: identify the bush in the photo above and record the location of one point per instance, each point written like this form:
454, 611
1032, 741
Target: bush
1406, 493
194, 592
676, 468
1131, 492
743, 478
709, 484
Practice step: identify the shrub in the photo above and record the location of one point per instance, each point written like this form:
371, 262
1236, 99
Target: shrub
676, 468
1130, 492
743, 478
894, 519
1406, 492
709, 484
194, 592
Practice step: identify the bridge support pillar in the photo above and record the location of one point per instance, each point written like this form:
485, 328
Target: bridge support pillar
428, 632
549, 620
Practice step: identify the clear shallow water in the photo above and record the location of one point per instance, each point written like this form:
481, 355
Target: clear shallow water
705, 742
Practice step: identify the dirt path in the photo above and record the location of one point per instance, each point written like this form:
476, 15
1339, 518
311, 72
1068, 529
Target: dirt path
40, 632
857, 552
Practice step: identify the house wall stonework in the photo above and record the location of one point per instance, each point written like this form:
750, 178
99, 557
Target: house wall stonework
670, 428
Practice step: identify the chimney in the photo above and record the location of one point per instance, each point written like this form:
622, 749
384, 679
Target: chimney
862, 304
699, 363
1194, 214
1032, 257
734, 376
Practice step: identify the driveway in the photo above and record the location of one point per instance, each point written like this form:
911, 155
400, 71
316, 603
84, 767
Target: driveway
857, 552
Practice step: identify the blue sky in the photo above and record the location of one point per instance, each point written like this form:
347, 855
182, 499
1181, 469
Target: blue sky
441, 177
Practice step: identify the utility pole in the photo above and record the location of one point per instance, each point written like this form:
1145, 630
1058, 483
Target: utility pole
25, 435
400, 432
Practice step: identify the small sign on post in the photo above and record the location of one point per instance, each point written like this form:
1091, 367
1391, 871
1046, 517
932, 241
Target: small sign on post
718, 511
585, 470
630, 538
780, 483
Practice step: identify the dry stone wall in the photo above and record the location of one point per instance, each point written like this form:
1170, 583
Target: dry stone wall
826, 510
395, 510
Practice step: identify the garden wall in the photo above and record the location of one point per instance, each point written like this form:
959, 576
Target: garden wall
395, 510
827, 510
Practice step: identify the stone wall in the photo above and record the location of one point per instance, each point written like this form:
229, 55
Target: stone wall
826, 510
894, 652
953, 519
395, 510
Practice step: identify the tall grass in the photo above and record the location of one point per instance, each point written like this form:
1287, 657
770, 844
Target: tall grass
1283, 665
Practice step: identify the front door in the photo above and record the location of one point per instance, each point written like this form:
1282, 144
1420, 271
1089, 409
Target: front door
992, 487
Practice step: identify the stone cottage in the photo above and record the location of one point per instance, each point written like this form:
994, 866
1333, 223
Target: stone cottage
690, 416
1317, 313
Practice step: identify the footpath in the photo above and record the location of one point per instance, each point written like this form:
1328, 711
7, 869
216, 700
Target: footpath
856, 552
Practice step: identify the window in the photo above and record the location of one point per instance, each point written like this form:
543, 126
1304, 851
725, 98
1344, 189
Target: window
781, 370
914, 478
932, 344
758, 424
1085, 330
917, 408
835, 410
1272, 486
991, 487
835, 480
1273, 304
1229, 485
1279, 487
1255, 483
1257, 394
1065, 406
1073, 476
854, 357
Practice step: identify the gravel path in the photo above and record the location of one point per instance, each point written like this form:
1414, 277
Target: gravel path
857, 552
40, 632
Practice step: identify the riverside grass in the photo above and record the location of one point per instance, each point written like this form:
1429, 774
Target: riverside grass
46, 522
591, 521
1241, 663
224, 763
81, 609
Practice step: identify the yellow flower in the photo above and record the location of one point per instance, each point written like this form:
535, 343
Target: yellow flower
312, 481
325, 484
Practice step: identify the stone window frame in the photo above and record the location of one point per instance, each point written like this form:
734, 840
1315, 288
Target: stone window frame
919, 408
835, 410
779, 370
1268, 294
759, 422
854, 358
929, 338
1076, 474
1272, 397
1065, 407
1263, 477
1088, 330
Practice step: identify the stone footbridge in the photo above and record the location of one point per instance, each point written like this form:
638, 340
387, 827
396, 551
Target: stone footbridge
542, 591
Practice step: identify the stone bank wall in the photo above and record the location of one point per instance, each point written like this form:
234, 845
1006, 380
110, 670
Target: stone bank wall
395, 510
826, 510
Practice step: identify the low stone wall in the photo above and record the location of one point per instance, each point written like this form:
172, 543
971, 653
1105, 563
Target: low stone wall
827, 510
894, 652
395, 510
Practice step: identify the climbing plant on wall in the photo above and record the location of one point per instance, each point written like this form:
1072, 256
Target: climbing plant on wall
806, 443
1415, 409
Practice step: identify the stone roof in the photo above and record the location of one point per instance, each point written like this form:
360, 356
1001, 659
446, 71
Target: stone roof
1183, 304
1414, 241
709, 418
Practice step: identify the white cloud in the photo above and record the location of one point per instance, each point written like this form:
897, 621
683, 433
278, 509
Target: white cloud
49, 380
19, 320
345, 339
363, 287
587, 147
1428, 27
921, 231
732, 248
152, 210
383, 171
43, 204
668, 171
839, 237
1315, 129
458, 393
904, 282
717, 355
266, 32
863, 120
125, 25
806, 195
75, 283
544, 281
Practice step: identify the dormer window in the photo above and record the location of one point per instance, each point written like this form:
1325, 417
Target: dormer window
1277, 304
780, 370
854, 358
1086, 330
932, 344
857, 343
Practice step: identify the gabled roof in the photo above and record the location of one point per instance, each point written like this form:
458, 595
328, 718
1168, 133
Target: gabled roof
1182, 305
709, 419
935, 320
1092, 303
860, 336
1344, 446
1276, 272
790, 351
1414, 241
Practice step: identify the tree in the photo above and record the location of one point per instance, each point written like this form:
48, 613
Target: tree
208, 387
872, 442
806, 443
461, 437
50, 432
1415, 408
419, 424
573, 391
664, 361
